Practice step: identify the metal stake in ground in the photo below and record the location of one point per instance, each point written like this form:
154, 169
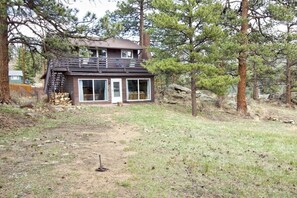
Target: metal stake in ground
101, 168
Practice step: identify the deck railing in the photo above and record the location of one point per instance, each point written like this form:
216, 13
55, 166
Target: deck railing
96, 62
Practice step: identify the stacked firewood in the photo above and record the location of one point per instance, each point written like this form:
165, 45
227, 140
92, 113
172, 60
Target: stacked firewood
60, 99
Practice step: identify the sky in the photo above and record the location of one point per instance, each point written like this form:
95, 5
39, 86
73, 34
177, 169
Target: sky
99, 7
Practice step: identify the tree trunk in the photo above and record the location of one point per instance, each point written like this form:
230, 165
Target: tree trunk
193, 73
255, 83
288, 83
141, 22
288, 75
4, 80
23, 64
146, 44
241, 98
193, 94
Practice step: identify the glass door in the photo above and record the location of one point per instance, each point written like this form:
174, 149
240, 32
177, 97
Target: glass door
102, 54
116, 90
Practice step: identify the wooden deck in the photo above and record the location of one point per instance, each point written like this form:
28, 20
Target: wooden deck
107, 67
95, 63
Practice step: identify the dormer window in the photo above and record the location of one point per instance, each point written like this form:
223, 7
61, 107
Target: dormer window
127, 53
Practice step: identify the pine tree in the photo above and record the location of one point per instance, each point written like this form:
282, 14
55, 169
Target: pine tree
131, 15
262, 61
30, 63
4, 81
242, 59
284, 14
192, 40
249, 22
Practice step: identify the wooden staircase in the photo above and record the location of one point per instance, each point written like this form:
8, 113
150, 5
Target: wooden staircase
55, 80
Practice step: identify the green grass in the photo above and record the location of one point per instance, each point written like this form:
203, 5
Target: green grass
125, 183
178, 155
10, 109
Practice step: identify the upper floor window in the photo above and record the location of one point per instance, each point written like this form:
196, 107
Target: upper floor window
127, 54
87, 53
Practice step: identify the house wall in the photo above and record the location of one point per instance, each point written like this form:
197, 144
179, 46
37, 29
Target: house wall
116, 60
116, 53
113, 53
72, 88
69, 86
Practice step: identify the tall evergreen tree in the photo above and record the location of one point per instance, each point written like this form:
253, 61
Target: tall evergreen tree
242, 58
29, 62
4, 86
250, 24
190, 31
131, 14
284, 14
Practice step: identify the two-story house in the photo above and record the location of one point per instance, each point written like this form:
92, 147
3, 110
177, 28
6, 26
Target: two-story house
107, 71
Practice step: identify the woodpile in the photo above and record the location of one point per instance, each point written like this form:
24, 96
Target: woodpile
60, 99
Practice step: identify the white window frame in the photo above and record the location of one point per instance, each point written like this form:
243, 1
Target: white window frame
126, 50
138, 92
93, 79
15, 77
99, 48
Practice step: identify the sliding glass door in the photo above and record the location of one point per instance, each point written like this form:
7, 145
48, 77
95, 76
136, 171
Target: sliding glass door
93, 90
138, 89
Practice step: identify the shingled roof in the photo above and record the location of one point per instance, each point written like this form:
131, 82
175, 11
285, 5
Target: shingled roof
111, 43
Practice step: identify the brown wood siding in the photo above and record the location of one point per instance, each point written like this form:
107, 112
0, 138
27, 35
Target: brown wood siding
124, 89
68, 86
116, 53
119, 61
113, 53
109, 89
152, 89
75, 99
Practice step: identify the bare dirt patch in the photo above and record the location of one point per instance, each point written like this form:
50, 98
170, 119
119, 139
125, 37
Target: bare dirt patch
61, 161
85, 144
10, 121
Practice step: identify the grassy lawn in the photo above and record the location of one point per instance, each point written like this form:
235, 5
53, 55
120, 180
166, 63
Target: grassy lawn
174, 155
178, 155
